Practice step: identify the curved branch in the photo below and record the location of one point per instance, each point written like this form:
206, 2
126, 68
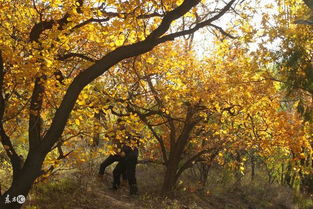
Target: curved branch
159, 138
198, 26
40, 27
171, 16
189, 162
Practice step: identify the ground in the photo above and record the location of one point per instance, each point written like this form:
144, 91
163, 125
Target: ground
82, 190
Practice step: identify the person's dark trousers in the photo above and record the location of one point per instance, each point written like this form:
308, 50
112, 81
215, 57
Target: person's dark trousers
131, 163
111, 159
120, 169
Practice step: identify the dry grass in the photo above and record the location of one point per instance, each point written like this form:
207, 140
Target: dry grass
81, 190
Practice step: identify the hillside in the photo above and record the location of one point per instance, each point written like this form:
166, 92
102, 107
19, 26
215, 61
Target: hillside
82, 190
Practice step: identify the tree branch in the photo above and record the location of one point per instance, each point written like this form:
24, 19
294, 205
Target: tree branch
35, 120
198, 26
90, 21
222, 31
15, 160
72, 54
159, 138
183, 138
171, 16
40, 27
109, 60
189, 162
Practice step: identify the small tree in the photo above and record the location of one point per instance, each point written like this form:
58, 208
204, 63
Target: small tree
197, 109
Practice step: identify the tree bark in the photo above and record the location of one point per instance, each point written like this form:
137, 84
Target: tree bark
21, 184
252, 168
170, 177
96, 134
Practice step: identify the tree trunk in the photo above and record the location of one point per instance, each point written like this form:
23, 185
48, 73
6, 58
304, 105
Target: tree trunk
170, 177
282, 179
204, 173
96, 134
21, 184
252, 168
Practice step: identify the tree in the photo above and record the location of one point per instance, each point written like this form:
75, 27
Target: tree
199, 109
293, 69
50, 50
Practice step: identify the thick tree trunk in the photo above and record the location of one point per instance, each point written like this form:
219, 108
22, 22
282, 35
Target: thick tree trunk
21, 185
170, 177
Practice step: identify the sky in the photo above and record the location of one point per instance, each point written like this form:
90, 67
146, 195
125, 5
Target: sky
204, 39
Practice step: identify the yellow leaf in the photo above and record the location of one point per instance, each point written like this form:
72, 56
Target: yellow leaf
48, 62
77, 122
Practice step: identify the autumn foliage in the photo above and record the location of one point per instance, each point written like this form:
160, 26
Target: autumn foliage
71, 71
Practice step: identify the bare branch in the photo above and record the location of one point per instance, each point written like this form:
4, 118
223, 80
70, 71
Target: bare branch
72, 54
194, 158
198, 26
222, 31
